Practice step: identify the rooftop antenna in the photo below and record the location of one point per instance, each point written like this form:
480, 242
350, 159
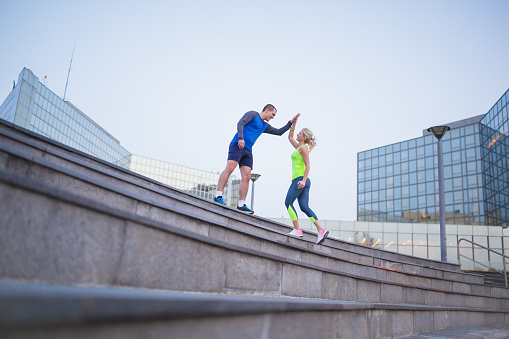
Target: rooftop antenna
67, 82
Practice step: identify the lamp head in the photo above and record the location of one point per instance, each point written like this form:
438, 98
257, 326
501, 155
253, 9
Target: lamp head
439, 131
255, 176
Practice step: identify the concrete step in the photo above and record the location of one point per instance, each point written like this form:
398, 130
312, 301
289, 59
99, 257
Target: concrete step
478, 332
237, 232
43, 311
67, 239
125, 189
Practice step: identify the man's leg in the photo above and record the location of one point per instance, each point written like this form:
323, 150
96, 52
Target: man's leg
245, 172
223, 178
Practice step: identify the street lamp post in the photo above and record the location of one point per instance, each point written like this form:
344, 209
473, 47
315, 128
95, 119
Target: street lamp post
254, 177
439, 132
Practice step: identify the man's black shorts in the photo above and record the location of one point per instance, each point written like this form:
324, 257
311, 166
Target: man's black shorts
243, 156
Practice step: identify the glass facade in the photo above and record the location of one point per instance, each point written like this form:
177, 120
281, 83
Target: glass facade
398, 183
33, 106
495, 147
194, 181
421, 240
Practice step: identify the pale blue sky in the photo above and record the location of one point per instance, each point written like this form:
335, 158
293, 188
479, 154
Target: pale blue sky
170, 79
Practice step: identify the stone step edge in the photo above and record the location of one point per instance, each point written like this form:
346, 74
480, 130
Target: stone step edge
492, 332
92, 205
114, 189
32, 305
190, 197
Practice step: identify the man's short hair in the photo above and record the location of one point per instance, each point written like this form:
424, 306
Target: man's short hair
269, 107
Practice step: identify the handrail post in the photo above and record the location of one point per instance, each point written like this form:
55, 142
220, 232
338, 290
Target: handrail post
458, 250
503, 261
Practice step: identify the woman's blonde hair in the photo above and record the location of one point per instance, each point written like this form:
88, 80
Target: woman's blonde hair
309, 138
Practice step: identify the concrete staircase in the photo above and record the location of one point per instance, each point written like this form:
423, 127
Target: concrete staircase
90, 248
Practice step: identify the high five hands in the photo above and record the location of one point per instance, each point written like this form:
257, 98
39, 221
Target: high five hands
295, 118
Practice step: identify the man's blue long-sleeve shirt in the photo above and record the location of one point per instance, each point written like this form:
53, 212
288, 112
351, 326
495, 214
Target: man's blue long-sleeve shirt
251, 126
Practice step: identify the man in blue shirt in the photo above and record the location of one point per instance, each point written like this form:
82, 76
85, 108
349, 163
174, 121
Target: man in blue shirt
249, 128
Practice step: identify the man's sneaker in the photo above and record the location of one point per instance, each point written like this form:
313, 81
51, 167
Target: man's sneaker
321, 236
245, 209
296, 233
219, 200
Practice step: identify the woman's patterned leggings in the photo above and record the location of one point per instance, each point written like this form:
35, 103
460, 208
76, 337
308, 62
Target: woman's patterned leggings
302, 195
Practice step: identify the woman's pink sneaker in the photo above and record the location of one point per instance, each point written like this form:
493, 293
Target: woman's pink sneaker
321, 236
296, 233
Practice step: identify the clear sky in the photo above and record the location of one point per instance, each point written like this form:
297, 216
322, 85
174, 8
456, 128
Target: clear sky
170, 79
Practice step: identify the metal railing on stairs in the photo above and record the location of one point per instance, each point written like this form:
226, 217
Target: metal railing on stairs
488, 249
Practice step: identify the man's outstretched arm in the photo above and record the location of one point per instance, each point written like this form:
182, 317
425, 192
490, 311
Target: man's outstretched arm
282, 130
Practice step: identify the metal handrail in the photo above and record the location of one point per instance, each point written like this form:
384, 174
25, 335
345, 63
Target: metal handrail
480, 263
486, 248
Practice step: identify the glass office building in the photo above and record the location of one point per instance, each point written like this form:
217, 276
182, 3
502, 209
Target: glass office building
194, 181
35, 107
399, 182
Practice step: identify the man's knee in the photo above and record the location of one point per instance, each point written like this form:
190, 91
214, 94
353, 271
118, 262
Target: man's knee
230, 167
245, 173
227, 171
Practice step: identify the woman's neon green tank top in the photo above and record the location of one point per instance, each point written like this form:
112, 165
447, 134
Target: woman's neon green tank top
298, 165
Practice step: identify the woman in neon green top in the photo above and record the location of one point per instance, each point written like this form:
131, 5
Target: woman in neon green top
299, 189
